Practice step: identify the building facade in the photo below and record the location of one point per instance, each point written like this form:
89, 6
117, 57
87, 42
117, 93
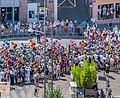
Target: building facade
104, 10
33, 10
26, 10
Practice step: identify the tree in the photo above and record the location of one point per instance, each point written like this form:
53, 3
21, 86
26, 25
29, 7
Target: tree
84, 76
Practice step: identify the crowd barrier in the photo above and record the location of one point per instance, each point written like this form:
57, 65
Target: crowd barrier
58, 31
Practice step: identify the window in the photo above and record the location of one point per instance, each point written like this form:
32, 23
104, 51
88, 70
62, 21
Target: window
9, 16
117, 9
35, 1
106, 11
16, 13
9, 13
41, 4
41, 17
3, 12
31, 1
50, 1
9, 9
31, 14
3, 9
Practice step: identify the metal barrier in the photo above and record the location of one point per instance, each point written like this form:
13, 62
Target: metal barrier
57, 31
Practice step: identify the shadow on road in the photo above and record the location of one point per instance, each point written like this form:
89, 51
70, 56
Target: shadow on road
102, 78
111, 77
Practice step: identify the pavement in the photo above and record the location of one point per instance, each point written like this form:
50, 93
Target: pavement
33, 37
105, 25
27, 91
114, 82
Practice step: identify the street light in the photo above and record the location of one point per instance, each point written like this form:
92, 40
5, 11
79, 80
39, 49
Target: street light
31, 30
52, 57
0, 11
45, 17
13, 4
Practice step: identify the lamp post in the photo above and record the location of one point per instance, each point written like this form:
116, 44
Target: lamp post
91, 5
13, 12
45, 17
52, 58
0, 11
31, 30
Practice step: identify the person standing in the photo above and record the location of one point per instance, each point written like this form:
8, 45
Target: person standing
23, 74
31, 74
28, 74
2, 75
58, 71
18, 28
12, 77
102, 95
78, 29
62, 24
11, 28
38, 37
110, 26
16, 76
71, 28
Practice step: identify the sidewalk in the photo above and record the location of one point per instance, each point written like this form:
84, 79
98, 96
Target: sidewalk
114, 82
63, 83
102, 26
31, 37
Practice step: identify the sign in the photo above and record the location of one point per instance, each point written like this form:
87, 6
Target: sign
41, 10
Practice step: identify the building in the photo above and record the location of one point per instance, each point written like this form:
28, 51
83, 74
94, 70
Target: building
23, 10
26, 10
72, 10
33, 10
104, 10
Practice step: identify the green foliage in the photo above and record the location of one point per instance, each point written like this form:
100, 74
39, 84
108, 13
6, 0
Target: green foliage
55, 94
84, 76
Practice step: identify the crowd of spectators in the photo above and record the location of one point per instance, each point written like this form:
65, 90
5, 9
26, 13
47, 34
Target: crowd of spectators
57, 28
24, 62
